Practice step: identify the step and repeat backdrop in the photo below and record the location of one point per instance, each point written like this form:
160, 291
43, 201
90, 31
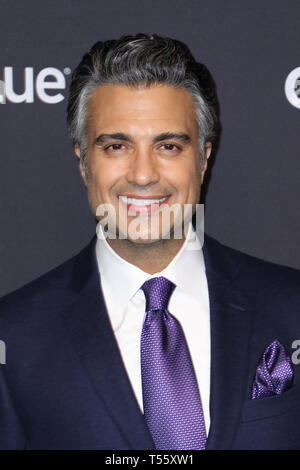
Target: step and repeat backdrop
252, 192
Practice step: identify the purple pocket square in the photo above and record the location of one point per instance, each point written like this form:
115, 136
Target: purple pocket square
274, 374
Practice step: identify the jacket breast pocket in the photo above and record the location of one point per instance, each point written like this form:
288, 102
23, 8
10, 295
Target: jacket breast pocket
261, 408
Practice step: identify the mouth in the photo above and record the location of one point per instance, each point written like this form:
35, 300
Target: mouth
139, 204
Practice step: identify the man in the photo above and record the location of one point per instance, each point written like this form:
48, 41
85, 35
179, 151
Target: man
144, 339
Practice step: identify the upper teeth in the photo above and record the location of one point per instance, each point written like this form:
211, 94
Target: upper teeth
141, 202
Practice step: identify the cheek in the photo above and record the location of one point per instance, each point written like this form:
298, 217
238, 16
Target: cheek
103, 176
191, 184
187, 178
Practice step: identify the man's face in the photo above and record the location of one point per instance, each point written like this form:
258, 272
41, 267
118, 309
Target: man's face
142, 152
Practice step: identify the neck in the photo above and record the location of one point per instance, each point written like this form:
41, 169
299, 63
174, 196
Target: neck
150, 257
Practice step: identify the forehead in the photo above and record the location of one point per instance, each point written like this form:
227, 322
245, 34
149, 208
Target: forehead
160, 107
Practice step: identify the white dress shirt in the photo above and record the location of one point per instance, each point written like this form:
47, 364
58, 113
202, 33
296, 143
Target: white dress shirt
189, 304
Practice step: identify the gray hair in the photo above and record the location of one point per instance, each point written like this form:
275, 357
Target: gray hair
135, 61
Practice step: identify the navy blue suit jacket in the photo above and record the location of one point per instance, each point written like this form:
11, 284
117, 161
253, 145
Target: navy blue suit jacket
64, 385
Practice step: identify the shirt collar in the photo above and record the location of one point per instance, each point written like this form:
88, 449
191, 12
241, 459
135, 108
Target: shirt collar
121, 279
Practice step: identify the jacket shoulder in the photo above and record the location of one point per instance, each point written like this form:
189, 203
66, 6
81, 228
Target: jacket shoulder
45, 292
251, 270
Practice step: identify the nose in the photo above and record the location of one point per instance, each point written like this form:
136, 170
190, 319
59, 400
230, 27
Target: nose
143, 168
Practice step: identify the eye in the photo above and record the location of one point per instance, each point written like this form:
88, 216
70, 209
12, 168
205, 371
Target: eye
114, 147
171, 147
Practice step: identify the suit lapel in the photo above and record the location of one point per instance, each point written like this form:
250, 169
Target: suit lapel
231, 325
88, 324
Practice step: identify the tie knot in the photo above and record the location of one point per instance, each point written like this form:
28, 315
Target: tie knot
157, 291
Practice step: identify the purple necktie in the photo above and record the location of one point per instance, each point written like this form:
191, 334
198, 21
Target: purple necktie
172, 404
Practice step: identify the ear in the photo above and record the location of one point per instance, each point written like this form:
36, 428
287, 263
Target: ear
82, 172
208, 148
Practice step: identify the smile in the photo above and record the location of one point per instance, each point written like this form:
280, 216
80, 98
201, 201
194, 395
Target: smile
151, 204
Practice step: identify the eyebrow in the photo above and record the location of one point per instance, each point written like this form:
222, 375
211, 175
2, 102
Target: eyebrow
182, 137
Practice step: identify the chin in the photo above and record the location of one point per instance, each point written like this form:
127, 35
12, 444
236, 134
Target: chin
144, 242
150, 238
